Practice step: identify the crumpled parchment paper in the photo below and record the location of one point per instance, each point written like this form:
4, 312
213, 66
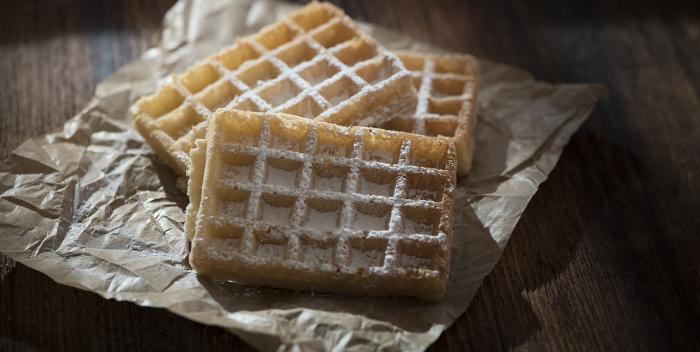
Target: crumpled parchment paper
92, 208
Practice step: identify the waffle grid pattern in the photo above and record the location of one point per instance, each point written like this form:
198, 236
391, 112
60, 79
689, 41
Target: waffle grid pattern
314, 63
375, 220
447, 91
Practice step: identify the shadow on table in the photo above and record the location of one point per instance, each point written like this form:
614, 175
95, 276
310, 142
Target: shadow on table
542, 246
39, 314
611, 178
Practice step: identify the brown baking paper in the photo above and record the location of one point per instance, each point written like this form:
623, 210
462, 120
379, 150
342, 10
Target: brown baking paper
92, 208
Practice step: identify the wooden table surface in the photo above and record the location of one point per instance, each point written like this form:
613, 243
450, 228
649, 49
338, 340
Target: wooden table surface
605, 256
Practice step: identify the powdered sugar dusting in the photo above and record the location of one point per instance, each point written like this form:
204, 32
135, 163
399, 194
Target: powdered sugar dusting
412, 226
315, 256
318, 206
278, 215
413, 262
446, 101
369, 187
430, 89
282, 177
330, 183
368, 222
322, 209
417, 193
363, 259
271, 251
233, 209
330, 150
237, 172
224, 249
277, 84
323, 221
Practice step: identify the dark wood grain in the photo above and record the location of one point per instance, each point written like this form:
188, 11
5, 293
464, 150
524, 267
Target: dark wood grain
604, 258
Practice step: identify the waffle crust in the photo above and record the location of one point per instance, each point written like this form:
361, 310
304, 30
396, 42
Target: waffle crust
447, 90
314, 63
301, 204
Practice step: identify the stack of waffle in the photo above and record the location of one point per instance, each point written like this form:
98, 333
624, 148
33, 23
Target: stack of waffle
317, 159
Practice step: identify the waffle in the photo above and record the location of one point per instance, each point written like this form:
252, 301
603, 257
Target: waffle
314, 63
447, 89
296, 203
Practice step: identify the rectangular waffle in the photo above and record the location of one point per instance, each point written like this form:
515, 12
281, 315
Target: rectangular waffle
296, 203
447, 90
314, 63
